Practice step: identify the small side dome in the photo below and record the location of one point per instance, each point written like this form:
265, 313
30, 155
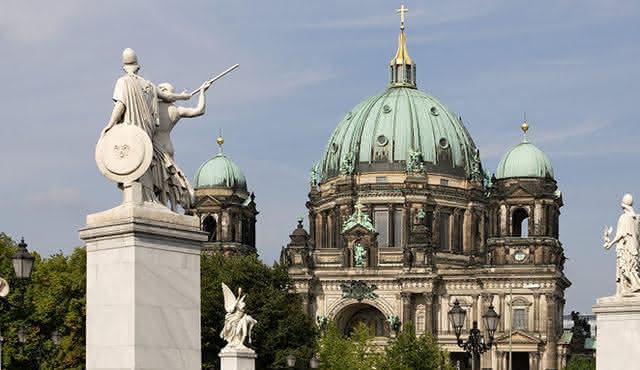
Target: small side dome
220, 172
524, 160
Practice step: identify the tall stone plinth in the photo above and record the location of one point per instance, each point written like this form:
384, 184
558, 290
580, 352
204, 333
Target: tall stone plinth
618, 322
237, 359
143, 288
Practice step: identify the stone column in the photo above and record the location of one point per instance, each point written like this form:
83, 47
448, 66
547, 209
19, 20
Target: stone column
503, 220
466, 230
551, 353
143, 287
428, 315
536, 312
406, 307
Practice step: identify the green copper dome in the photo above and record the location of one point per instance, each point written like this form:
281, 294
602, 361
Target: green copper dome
524, 160
220, 172
397, 126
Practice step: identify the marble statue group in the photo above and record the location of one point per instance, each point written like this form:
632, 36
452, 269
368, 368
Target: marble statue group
143, 110
237, 324
627, 241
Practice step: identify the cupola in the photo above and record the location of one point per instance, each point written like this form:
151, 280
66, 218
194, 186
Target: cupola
524, 160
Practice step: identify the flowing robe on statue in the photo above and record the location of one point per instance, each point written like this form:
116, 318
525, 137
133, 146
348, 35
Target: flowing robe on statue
627, 253
140, 99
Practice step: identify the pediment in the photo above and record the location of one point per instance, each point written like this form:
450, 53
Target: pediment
518, 337
519, 192
207, 201
357, 229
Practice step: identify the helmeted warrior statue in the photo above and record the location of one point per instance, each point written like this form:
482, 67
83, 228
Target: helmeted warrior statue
627, 242
140, 151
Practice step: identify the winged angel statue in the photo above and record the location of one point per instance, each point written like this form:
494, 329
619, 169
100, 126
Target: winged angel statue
237, 324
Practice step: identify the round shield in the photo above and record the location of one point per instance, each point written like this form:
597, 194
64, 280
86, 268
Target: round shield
124, 153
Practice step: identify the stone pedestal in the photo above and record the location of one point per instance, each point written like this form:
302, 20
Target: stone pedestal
237, 359
143, 288
618, 321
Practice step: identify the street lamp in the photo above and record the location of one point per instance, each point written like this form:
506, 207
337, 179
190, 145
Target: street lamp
22, 262
55, 337
475, 344
291, 361
314, 363
22, 335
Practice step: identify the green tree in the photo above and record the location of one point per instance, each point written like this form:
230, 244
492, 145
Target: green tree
54, 299
282, 329
581, 362
410, 352
336, 351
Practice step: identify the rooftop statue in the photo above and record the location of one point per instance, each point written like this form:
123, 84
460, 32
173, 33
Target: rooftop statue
237, 324
627, 242
135, 145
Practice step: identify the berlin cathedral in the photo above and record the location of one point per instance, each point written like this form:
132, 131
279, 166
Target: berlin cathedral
404, 221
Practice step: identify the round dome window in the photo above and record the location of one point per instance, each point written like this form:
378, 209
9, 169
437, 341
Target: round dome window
444, 143
434, 111
334, 147
386, 109
382, 140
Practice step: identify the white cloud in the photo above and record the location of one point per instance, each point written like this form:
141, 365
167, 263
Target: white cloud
33, 22
55, 197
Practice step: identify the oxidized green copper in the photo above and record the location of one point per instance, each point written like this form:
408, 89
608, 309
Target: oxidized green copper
392, 126
359, 255
219, 172
524, 160
358, 218
358, 290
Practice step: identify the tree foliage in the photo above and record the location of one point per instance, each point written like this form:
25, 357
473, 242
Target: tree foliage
336, 351
410, 352
581, 362
282, 329
359, 352
54, 299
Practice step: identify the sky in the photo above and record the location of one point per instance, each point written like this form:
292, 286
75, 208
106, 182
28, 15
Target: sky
571, 66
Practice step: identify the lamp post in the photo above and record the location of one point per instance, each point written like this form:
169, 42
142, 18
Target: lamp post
475, 344
291, 361
22, 265
314, 363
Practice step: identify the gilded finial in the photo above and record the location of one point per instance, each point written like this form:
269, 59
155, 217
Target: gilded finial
524, 127
220, 140
401, 11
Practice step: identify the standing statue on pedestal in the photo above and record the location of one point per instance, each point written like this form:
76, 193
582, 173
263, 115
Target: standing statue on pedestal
237, 324
135, 148
627, 242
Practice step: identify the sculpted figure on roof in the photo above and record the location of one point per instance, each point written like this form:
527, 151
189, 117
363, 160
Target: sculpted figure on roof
627, 242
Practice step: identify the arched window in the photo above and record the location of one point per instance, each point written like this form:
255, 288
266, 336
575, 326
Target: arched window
381, 223
520, 223
232, 228
209, 225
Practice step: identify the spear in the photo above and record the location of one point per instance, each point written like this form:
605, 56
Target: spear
218, 77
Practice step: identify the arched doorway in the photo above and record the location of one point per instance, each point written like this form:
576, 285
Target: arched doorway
351, 316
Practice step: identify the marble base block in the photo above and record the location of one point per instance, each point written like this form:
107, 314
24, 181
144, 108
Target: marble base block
618, 321
143, 288
237, 359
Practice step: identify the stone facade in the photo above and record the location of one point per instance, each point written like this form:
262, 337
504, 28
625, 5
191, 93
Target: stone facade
437, 239
229, 219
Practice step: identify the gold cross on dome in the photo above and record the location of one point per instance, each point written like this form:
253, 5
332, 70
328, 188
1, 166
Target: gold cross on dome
401, 11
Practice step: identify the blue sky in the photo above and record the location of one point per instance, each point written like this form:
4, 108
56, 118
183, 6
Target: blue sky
572, 66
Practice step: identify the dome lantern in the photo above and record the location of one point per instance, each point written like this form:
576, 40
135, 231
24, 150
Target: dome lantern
402, 71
